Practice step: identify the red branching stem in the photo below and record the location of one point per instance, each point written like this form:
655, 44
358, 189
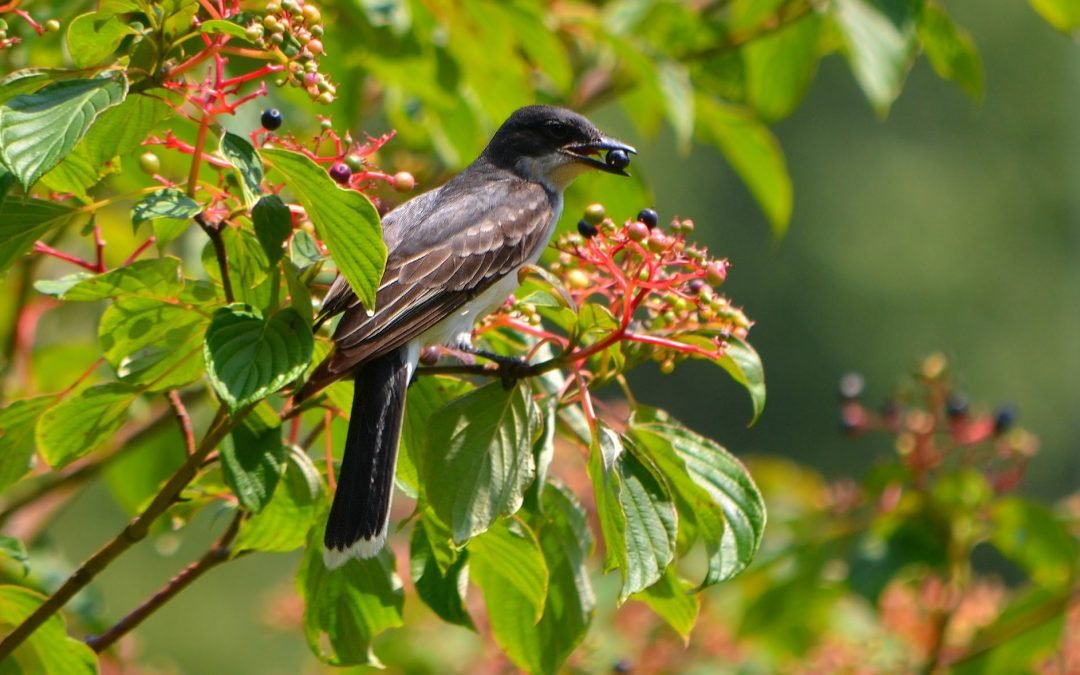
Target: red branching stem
30, 20
294, 430
99, 248
25, 330
43, 248
586, 400
253, 75
210, 9
140, 250
197, 154
173, 143
673, 344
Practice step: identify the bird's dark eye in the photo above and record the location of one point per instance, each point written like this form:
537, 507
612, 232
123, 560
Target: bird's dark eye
558, 130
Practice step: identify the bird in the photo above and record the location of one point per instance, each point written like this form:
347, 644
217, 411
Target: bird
453, 257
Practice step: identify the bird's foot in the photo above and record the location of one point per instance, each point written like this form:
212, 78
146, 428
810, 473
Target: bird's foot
511, 368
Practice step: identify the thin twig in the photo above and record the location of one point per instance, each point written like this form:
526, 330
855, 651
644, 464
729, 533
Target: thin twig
218, 553
213, 230
135, 532
185, 421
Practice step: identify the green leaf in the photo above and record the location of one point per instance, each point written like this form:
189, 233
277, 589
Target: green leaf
158, 278
345, 219
24, 221
248, 267
951, 51
166, 203
673, 80
153, 343
543, 453
48, 650
119, 130
249, 358
283, 524
26, 81
607, 488
273, 225
568, 610
507, 564
477, 459
304, 251
1035, 538
253, 458
38, 130
636, 514
651, 524
223, 27
674, 600
715, 477
17, 423
92, 37
241, 154
14, 549
426, 395
346, 608
880, 43
745, 367
441, 589
780, 67
1063, 15
80, 424
135, 475
753, 152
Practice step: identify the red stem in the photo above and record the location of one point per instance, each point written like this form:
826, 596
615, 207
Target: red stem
42, 247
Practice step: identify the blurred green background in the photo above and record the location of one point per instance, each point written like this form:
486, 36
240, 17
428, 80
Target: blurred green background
950, 227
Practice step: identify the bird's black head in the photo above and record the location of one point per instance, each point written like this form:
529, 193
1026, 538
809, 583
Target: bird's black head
551, 145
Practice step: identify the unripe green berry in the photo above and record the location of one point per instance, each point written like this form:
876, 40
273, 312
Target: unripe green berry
149, 163
577, 279
326, 98
667, 367
637, 231
253, 33
594, 214
52, 25
658, 241
311, 14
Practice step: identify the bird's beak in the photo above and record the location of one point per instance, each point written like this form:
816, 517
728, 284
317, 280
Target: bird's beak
589, 153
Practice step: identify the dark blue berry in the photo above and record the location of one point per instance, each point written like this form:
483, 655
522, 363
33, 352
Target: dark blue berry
271, 119
341, 173
696, 286
618, 159
1004, 418
956, 405
587, 229
649, 217
622, 666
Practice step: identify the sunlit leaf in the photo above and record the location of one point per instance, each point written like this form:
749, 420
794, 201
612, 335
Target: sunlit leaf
38, 130
674, 600
780, 67
253, 458
753, 152
345, 219
442, 588
241, 154
17, 423
284, 522
745, 367
880, 45
345, 609
715, 477
477, 458
158, 278
24, 221
165, 203
93, 37
951, 51
1061, 14
153, 343
82, 422
248, 357
48, 649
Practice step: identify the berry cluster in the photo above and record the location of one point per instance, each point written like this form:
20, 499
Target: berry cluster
294, 29
659, 289
935, 426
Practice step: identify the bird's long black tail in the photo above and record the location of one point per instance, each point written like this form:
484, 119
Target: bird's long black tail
365, 484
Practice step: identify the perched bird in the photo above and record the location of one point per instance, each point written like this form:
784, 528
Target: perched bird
454, 253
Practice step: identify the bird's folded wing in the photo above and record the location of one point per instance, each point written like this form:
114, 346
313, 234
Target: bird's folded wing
461, 245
